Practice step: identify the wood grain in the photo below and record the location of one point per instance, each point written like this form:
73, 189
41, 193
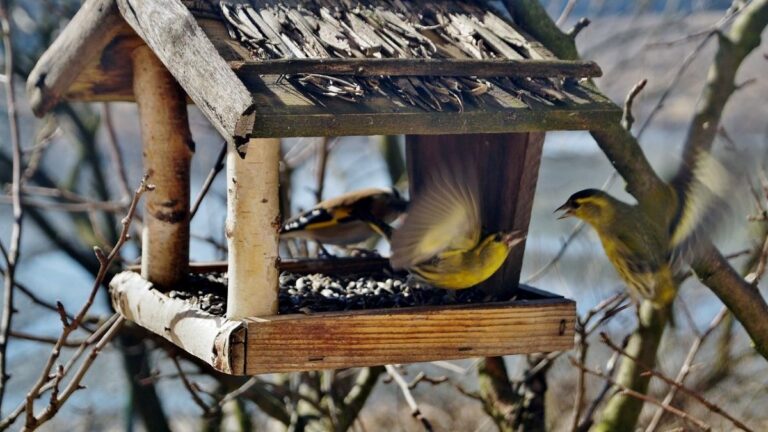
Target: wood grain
365, 338
78, 48
421, 67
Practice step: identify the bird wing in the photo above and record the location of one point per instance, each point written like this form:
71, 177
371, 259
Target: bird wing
703, 191
316, 218
444, 217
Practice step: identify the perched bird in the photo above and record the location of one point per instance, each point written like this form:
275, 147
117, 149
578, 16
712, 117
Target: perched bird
349, 218
648, 247
441, 240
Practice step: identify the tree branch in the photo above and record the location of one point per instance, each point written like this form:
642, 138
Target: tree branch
12, 254
624, 152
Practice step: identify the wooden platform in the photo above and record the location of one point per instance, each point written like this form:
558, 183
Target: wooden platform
332, 340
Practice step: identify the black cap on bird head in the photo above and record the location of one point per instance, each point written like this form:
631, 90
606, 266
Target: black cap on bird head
575, 200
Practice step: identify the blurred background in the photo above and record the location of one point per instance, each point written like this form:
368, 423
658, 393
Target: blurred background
631, 40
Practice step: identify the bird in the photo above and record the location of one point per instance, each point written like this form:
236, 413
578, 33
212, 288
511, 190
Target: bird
441, 241
649, 248
349, 218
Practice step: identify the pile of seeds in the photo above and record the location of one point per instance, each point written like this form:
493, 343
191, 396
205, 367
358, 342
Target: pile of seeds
319, 293
391, 29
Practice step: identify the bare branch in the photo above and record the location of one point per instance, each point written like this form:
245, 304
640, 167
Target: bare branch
13, 252
578, 27
627, 119
565, 13
650, 371
45, 381
686, 367
114, 153
415, 411
215, 170
191, 388
640, 396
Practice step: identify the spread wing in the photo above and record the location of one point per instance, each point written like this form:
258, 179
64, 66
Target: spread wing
444, 217
704, 192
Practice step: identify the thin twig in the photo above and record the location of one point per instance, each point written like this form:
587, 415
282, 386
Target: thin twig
637, 395
18, 334
685, 369
190, 388
587, 420
12, 254
215, 170
649, 371
322, 163
565, 13
409, 399
69, 326
627, 119
580, 25
56, 402
114, 153
81, 207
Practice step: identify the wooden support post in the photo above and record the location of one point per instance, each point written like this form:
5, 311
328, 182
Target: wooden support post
509, 167
167, 153
253, 221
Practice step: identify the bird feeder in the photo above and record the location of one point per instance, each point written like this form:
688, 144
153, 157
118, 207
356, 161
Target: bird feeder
453, 77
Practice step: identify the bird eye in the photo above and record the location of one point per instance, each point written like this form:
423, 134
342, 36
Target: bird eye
497, 237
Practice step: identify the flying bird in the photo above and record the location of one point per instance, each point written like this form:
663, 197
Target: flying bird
649, 248
441, 240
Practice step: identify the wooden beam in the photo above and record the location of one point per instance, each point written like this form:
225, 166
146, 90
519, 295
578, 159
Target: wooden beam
421, 67
508, 164
169, 28
333, 340
253, 221
211, 338
91, 29
167, 144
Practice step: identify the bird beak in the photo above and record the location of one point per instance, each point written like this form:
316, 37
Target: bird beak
514, 238
567, 210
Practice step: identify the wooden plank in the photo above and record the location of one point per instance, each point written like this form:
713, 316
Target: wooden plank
167, 154
526, 189
253, 221
506, 162
109, 75
206, 336
91, 29
169, 28
420, 67
364, 338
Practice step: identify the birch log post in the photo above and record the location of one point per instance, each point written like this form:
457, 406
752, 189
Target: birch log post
253, 220
167, 145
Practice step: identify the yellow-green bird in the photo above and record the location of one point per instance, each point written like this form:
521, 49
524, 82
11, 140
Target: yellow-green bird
348, 219
441, 240
646, 247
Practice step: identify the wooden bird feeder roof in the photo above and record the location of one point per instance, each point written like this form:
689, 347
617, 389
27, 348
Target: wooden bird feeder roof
434, 71
322, 67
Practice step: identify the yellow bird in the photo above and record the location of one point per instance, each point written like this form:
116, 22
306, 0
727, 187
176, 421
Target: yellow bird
646, 247
348, 219
441, 241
